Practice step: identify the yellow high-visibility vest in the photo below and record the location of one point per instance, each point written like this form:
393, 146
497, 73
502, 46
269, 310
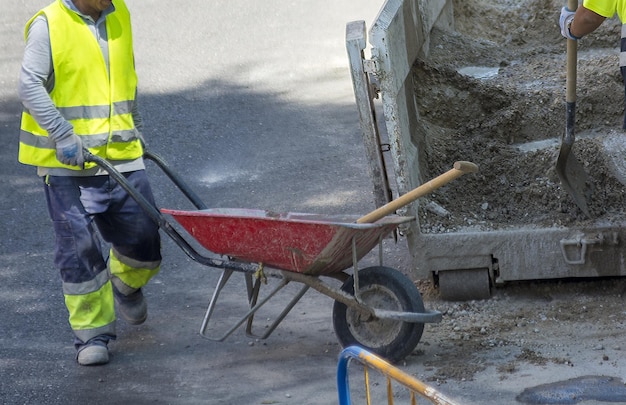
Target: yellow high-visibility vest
98, 103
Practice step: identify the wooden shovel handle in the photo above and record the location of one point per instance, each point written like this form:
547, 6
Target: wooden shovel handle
572, 56
460, 168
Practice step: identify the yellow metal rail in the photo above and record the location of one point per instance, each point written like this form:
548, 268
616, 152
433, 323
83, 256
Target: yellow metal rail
369, 360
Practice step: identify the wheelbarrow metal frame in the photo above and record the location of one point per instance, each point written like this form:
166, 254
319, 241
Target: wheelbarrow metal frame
249, 269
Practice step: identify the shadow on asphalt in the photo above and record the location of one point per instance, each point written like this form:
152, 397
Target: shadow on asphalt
236, 148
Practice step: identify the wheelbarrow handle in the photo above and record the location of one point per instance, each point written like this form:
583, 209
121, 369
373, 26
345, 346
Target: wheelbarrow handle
176, 179
150, 209
160, 220
460, 168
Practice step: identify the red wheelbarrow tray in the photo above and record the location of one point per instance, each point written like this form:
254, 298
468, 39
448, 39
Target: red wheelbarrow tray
310, 244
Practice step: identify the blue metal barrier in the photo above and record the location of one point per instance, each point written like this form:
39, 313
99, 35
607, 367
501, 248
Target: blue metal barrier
392, 373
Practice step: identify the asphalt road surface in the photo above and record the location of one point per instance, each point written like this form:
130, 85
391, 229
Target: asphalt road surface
252, 103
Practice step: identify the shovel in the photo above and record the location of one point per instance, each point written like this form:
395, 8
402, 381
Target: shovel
570, 171
460, 168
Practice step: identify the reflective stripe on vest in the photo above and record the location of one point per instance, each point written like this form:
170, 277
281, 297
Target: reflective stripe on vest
97, 102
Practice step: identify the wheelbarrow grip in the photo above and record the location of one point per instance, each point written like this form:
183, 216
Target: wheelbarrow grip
460, 168
148, 208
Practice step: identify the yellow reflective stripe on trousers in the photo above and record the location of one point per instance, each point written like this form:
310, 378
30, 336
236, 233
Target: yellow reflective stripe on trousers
92, 313
133, 273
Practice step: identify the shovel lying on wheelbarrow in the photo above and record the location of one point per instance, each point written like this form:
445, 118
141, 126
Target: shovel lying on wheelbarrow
572, 174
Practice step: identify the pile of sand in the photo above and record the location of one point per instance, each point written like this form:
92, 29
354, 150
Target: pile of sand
508, 116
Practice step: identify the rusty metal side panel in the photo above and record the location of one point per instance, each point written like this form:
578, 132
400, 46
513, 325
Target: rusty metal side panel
365, 93
398, 37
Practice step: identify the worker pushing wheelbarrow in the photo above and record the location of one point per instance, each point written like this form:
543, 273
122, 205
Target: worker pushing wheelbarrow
378, 307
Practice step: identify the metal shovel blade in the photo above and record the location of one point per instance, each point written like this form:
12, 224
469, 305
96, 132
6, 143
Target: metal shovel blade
573, 177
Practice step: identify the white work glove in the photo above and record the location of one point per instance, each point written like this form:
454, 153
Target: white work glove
70, 150
565, 20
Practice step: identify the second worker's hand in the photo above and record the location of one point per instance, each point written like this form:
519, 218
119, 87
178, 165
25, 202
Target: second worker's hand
566, 18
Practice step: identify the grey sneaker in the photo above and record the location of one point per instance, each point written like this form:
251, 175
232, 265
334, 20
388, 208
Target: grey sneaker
133, 307
93, 355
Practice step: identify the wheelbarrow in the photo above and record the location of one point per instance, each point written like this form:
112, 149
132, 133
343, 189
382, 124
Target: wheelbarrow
378, 307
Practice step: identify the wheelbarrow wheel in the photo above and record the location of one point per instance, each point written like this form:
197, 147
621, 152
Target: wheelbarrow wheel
381, 288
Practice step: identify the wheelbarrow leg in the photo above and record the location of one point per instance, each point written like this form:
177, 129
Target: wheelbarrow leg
226, 273
254, 307
253, 295
282, 315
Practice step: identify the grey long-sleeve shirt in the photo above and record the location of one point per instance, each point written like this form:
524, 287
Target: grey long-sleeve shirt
37, 80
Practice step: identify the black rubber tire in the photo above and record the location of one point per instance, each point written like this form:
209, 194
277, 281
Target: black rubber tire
382, 288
